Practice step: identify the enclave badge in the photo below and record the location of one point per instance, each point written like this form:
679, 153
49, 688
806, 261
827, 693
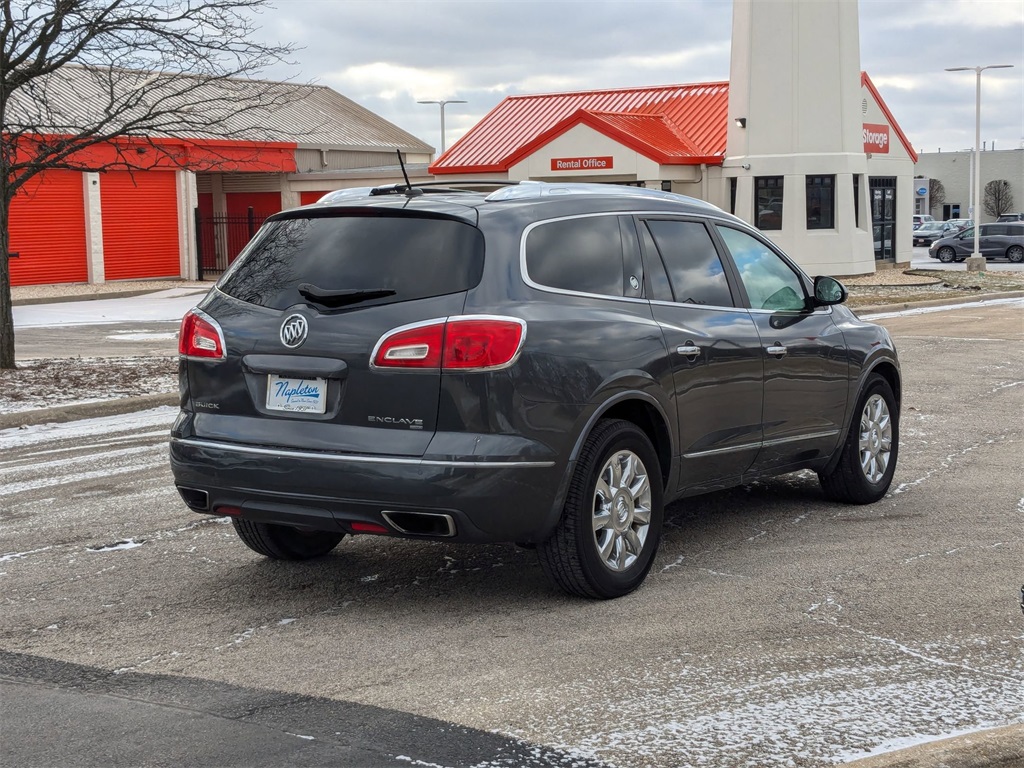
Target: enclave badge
293, 331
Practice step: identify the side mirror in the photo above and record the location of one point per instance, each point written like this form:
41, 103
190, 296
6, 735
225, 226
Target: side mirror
828, 291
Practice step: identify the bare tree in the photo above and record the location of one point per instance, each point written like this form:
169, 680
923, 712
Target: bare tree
936, 193
95, 85
998, 198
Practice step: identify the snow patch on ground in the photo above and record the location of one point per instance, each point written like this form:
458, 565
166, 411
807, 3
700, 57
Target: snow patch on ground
928, 310
104, 427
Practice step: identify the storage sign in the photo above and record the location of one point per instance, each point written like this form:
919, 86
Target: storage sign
581, 163
876, 138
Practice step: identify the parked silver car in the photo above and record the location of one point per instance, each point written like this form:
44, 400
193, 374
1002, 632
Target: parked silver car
995, 241
961, 224
931, 231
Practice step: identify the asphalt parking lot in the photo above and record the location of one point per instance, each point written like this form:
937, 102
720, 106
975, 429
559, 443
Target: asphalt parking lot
775, 628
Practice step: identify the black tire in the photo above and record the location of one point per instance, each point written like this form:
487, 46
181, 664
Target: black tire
869, 453
946, 255
283, 542
1015, 253
578, 556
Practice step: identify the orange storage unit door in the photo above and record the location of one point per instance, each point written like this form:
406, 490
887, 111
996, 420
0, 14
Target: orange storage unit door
47, 230
140, 225
308, 198
262, 203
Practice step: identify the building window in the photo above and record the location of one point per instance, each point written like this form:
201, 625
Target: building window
821, 198
882, 190
769, 202
732, 195
856, 201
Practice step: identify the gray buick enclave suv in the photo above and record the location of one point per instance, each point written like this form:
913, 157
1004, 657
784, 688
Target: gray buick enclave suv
545, 364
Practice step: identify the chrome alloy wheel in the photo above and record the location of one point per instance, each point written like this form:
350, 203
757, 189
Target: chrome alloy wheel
622, 510
875, 438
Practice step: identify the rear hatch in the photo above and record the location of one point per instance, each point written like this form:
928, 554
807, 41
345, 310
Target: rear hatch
300, 314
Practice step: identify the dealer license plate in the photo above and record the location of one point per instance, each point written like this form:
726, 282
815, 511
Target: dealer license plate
296, 395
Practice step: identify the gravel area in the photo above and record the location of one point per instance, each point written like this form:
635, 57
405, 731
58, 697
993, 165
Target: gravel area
895, 286
37, 384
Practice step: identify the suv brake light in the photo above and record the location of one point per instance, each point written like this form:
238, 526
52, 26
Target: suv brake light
200, 336
411, 347
467, 343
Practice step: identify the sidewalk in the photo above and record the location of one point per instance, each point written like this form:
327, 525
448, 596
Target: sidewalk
26, 295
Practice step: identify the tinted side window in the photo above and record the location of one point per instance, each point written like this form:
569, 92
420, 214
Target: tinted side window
582, 254
694, 269
770, 282
413, 257
768, 203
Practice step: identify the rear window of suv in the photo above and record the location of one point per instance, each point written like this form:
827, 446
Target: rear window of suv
364, 260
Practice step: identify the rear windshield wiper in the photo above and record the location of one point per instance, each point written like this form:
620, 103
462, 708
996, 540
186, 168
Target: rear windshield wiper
344, 297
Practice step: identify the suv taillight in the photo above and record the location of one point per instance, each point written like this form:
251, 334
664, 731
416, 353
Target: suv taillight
467, 343
200, 336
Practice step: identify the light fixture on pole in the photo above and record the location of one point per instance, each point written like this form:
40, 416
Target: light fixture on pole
441, 103
977, 262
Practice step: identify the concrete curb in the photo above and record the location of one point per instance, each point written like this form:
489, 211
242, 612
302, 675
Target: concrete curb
995, 748
950, 302
63, 413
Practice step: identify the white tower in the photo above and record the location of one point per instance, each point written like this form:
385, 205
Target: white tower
795, 144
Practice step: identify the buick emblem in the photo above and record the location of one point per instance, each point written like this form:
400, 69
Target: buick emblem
293, 331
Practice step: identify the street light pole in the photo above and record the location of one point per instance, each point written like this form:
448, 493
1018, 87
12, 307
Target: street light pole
977, 262
442, 103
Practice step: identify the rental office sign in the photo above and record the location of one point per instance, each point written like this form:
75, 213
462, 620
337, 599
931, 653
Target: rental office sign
581, 163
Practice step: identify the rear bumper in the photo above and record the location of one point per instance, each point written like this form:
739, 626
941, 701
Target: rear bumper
487, 501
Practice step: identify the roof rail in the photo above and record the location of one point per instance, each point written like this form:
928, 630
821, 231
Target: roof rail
438, 187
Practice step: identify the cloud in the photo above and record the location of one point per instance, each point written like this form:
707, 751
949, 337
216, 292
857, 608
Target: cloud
385, 80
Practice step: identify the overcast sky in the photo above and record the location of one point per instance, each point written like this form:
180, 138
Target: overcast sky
388, 54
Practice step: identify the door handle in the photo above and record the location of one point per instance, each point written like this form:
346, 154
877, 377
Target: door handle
688, 350
776, 349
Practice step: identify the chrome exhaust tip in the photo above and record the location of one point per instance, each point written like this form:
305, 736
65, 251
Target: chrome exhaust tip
421, 523
196, 499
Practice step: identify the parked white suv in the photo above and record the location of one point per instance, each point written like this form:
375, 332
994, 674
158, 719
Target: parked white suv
921, 218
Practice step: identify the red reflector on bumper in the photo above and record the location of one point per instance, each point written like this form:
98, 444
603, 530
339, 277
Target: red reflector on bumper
358, 527
233, 511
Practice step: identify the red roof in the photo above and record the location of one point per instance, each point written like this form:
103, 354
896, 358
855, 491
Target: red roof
671, 124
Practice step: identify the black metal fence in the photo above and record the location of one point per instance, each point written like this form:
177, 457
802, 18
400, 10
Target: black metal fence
220, 238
